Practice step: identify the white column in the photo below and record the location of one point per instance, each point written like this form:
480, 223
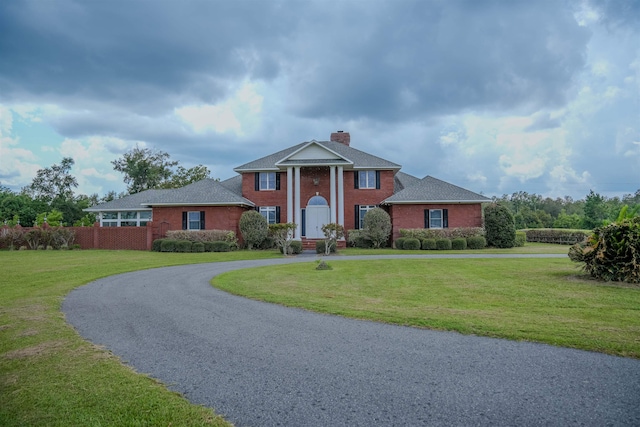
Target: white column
298, 212
289, 194
332, 192
340, 196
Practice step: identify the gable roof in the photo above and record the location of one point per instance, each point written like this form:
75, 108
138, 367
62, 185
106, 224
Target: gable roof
433, 190
132, 202
345, 155
403, 180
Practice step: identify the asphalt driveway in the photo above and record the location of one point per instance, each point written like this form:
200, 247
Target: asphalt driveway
261, 364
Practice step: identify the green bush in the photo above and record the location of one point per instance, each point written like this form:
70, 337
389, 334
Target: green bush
443, 244
476, 242
296, 247
521, 239
359, 239
429, 244
321, 247
156, 246
377, 227
400, 242
183, 246
197, 247
220, 246
203, 235
559, 236
254, 228
168, 245
459, 244
499, 226
612, 252
267, 243
411, 244
441, 233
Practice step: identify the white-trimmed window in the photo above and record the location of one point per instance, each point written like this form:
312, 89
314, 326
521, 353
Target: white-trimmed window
125, 218
362, 211
267, 181
271, 213
436, 218
193, 220
367, 179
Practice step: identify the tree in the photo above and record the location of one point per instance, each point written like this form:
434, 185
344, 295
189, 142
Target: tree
144, 168
332, 232
182, 176
499, 224
377, 226
253, 227
53, 183
282, 234
595, 210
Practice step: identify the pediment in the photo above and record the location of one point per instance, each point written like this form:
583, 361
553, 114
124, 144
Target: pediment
312, 152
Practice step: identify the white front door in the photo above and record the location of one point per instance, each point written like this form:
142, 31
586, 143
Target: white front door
316, 217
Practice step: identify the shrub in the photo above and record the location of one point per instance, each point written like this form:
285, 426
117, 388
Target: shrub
295, 247
168, 245
359, 239
521, 239
203, 235
12, 237
411, 244
183, 246
459, 244
197, 247
499, 226
323, 266
219, 246
156, 246
62, 237
476, 242
267, 243
35, 238
442, 233
612, 252
377, 227
400, 242
332, 232
443, 244
282, 235
321, 247
254, 228
429, 244
559, 236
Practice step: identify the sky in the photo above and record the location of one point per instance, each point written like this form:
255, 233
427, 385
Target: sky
495, 96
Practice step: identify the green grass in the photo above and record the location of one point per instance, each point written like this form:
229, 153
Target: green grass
542, 300
49, 375
529, 248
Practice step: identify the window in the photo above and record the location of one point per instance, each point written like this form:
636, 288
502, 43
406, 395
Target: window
367, 179
193, 220
271, 213
266, 181
436, 218
125, 218
361, 211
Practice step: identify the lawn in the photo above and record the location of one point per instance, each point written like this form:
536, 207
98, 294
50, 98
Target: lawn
49, 375
542, 300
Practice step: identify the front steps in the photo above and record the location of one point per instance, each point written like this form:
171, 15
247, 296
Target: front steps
310, 244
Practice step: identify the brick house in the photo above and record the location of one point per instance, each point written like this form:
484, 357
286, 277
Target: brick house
309, 184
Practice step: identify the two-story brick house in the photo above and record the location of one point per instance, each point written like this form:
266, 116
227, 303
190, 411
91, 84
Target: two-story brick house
309, 184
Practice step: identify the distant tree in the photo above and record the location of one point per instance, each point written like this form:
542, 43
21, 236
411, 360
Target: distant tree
573, 221
595, 210
499, 224
182, 176
144, 168
53, 183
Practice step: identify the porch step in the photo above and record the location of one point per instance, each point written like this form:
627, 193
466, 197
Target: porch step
310, 244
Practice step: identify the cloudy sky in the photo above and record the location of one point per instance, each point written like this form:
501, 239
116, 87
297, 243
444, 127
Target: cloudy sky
495, 96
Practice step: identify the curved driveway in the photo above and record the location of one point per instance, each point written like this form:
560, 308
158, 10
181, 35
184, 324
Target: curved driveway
261, 364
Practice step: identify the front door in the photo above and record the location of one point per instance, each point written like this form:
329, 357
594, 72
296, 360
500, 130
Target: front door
316, 215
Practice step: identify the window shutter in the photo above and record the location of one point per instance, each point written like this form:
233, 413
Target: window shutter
445, 218
258, 208
277, 214
184, 220
278, 181
202, 220
357, 216
355, 180
377, 180
304, 222
257, 181
426, 218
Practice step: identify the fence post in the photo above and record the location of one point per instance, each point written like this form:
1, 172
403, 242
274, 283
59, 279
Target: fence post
96, 235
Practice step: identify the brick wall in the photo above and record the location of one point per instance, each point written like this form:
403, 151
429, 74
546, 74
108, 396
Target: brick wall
412, 216
216, 217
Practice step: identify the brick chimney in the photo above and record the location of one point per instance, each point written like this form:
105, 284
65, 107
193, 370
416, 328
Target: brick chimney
341, 137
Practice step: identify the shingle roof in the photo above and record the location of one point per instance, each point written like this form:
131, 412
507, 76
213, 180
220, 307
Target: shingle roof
402, 180
202, 193
433, 190
137, 201
359, 159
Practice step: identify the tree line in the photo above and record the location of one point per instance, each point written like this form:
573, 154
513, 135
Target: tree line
52, 197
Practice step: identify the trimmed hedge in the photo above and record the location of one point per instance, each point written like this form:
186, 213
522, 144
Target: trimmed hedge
557, 235
184, 246
459, 244
521, 239
411, 244
296, 247
168, 245
400, 242
441, 233
443, 244
476, 242
220, 246
156, 245
500, 226
197, 247
429, 244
